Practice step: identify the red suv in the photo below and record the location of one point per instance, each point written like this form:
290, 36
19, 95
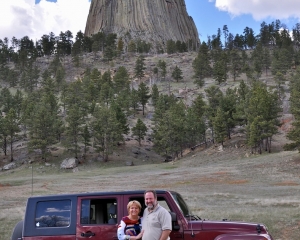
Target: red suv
96, 216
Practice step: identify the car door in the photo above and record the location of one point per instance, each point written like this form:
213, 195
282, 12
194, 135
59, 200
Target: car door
97, 217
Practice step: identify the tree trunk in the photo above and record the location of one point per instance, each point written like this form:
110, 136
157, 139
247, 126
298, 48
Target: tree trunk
11, 150
4, 146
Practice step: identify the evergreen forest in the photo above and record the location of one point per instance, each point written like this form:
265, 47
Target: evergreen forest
50, 94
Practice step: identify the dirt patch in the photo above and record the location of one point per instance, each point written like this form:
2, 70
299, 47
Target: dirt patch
286, 122
241, 181
287, 183
2, 186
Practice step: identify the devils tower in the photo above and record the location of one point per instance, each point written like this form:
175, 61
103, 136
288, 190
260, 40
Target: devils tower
153, 21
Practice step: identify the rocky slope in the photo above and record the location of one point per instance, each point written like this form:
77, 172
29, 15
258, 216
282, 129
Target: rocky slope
154, 21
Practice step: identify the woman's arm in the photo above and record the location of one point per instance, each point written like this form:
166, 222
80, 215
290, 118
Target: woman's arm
121, 232
122, 236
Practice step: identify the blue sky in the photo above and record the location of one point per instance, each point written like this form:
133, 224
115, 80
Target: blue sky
37, 17
238, 14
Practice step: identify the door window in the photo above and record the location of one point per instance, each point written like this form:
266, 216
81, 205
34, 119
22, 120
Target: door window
98, 211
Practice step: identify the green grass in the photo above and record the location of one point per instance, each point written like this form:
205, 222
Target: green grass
208, 181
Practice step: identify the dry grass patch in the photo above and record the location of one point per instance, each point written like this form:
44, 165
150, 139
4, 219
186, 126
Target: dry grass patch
286, 183
241, 181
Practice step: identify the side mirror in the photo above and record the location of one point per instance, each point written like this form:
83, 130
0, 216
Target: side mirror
173, 216
175, 226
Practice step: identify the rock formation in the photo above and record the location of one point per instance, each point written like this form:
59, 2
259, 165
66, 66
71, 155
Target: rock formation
154, 21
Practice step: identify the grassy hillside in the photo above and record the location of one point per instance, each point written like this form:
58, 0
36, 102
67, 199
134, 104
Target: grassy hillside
216, 182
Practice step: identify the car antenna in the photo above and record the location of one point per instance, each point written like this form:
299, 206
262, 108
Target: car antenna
190, 216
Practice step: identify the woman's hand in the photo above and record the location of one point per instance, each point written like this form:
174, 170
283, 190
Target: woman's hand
140, 235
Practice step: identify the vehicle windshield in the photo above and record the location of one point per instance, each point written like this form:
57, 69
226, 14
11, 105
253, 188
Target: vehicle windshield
181, 204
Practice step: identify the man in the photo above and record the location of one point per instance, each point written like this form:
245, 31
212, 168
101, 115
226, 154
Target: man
156, 222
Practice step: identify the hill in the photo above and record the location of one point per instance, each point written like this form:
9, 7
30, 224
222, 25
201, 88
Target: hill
184, 89
217, 182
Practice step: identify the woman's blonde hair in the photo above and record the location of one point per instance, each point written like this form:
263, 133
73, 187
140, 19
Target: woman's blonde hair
134, 202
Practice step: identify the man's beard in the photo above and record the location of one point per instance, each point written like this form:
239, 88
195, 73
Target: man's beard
151, 206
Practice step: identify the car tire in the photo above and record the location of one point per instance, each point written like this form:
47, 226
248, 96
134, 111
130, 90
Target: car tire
17, 232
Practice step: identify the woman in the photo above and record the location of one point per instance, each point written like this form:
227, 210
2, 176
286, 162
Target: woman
130, 226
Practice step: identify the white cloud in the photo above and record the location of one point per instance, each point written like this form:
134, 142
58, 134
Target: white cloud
21, 18
261, 9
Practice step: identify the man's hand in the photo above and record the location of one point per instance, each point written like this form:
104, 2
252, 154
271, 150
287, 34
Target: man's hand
165, 234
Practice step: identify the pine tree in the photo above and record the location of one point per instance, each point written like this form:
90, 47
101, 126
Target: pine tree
255, 137
171, 46
139, 130
155, 72
6, 100
143, 94
250, 39
236, 63
109, 53
214, 96
42, 132
74, 128
121, 79
75, 95
3, 135
134, 99
17, 102
11, 126
294, 133
60, 77
264, 105
106, 93
281, 61
76, 61
241, 100
163, 104
120, 45
106, 78
163, 67
154, 94
124, 99
100, 38
219, 71
110, 40
195, 127
12, 77
86, 137
27, 110
280, 80
95, 48
257, 60
139, 68
131, 47
106, 131
199, 106
177, 74
121, 117
228, 106
266, 59
219, 125
169, 131
92, 85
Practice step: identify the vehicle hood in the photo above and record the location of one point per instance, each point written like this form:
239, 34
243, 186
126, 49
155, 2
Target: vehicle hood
227, 226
